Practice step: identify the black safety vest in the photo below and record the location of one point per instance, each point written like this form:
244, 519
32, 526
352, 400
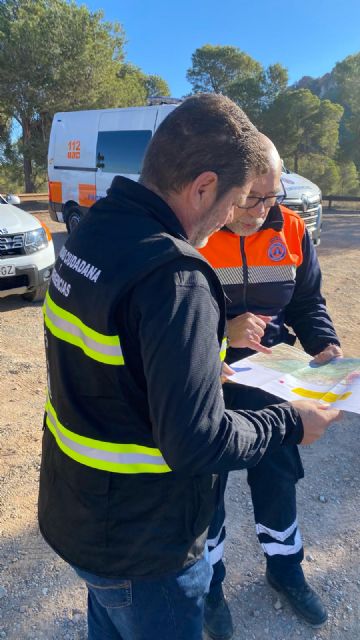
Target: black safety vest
98, 446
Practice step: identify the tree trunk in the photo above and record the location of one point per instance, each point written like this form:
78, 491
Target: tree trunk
296, 162
26, 138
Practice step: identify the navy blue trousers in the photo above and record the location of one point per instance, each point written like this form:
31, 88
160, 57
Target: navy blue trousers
273, 491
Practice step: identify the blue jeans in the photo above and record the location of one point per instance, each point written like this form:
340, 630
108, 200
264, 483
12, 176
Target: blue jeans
168, 608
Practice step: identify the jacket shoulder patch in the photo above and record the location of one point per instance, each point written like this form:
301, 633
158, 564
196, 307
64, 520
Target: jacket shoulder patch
277, 249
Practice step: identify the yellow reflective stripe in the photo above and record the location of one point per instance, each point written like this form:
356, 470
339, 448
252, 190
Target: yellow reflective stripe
77, 342
223, 349
66, 326
72, 319
106, 456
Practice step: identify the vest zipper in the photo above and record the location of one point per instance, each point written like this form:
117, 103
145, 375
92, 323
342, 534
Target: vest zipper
245, 270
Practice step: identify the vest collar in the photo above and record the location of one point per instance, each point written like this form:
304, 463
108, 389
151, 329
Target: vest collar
274, 220
124, 188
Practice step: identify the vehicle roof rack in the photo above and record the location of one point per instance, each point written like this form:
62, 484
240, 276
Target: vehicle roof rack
153, 100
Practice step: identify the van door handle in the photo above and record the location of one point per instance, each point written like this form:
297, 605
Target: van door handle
99, 161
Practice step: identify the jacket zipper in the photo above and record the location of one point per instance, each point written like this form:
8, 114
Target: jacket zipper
245, 270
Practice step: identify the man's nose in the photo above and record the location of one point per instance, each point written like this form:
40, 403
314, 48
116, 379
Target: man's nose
259, 210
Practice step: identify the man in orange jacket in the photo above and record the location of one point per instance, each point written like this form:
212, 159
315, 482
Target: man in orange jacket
268, 267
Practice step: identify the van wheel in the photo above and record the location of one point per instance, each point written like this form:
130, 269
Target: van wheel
37, 294
73, 218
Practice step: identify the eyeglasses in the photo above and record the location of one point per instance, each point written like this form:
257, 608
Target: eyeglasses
269, 201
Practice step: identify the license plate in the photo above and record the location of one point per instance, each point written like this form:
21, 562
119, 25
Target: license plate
7, 270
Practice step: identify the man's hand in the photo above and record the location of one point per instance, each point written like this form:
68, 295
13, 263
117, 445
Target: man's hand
226, 372
329, 353
316, 418
246, 331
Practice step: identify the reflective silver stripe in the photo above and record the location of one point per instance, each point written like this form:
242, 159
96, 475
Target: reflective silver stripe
230, 275
275, 548
68, 327
277, 535
213, 542
274, 273
76, 331
216, 553
101, 457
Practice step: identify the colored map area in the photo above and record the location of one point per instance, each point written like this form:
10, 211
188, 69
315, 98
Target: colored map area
290, 373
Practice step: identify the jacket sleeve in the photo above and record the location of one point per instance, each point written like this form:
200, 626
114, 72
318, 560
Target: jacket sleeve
306, 313
177, 320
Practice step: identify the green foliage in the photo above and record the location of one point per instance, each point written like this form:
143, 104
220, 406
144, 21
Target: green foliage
58, 56
324, 135
134, 87
349, 179
275, 82
288, 121
156, 86
316, 126
342, 85
12, 166
346, 76
322, 170
11, 171
5, 129
248, 94
214, 68
300, 123
346, 80
333, 177
230, 71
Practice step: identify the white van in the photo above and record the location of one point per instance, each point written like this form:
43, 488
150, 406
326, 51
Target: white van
88, 148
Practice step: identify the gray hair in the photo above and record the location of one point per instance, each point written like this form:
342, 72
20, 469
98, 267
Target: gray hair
206, 132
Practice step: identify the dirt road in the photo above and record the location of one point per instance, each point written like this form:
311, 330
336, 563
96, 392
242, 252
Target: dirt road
40, 598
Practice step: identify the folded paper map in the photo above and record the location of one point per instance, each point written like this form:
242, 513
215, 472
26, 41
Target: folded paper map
291, 374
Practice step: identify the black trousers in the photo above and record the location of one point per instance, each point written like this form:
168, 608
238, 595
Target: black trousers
273, 490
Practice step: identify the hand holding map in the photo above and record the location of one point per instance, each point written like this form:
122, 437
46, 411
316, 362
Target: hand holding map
292, 374
316, 418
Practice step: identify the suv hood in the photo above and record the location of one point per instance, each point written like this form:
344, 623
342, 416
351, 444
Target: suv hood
296, 186
14, 220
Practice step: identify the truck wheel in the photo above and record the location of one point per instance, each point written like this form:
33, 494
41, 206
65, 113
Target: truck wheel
37, 294
73, 218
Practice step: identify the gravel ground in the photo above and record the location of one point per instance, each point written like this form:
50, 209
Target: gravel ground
41, 598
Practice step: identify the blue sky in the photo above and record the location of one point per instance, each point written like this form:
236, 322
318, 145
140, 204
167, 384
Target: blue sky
307, 37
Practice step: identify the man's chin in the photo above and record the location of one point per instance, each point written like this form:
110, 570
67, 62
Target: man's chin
242, 230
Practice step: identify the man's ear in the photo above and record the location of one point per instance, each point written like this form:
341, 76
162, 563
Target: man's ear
203, 190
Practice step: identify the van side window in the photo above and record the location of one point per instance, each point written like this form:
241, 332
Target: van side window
121, 151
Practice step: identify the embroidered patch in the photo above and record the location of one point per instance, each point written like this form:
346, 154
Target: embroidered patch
277, 249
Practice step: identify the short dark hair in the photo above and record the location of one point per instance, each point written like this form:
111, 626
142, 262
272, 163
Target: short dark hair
206, 132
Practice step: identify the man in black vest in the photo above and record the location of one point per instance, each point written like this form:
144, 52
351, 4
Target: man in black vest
135, 428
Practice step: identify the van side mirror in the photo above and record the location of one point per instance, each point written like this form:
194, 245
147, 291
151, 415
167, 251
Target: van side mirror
11, 198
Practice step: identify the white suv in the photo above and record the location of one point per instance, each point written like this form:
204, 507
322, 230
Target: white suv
26, 252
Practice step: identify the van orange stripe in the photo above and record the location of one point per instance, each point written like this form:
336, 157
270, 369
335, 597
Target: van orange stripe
55, 191
87, 194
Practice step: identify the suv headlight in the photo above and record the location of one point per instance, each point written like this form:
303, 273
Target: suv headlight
35, 240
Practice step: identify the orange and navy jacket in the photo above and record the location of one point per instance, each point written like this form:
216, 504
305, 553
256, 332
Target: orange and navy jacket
274, 272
